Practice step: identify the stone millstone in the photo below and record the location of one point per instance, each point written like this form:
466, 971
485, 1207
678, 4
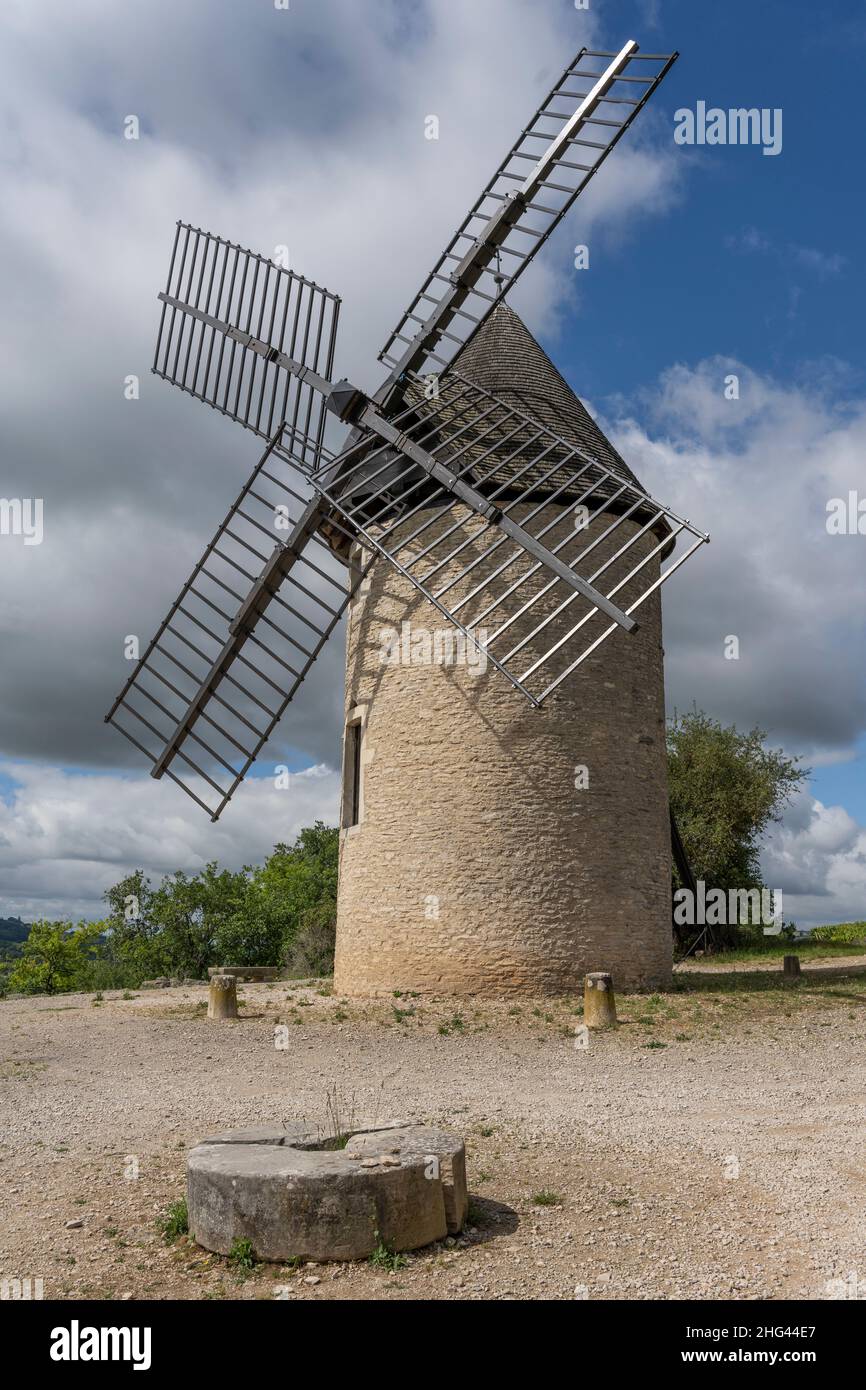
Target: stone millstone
439, 1148
291, 1196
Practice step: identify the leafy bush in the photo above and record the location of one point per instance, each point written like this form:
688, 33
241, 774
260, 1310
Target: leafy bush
55, 957
282, 898
842, 934
312, 950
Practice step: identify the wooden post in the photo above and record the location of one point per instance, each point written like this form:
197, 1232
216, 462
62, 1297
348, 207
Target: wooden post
791, 966
223, 1000
599, 1004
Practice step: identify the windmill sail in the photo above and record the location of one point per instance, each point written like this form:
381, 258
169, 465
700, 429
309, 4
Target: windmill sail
552, 161
239, 639
227, 317
535, 555
533, 539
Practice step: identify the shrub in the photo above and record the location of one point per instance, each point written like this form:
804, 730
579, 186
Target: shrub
54, 958
312, 951
842, 934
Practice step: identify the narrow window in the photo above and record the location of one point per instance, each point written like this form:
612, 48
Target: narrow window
352, 774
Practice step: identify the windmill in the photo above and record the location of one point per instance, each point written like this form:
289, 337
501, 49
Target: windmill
472, 490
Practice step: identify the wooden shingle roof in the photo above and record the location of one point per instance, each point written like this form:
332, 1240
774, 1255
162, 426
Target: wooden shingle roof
505, 359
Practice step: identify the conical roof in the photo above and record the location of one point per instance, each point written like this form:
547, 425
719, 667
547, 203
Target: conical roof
504, 358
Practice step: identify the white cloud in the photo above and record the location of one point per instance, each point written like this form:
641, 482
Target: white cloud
303, 128
67, 837
818, 859
757, 474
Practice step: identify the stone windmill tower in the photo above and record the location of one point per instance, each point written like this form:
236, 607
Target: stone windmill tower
487, 845
505, 817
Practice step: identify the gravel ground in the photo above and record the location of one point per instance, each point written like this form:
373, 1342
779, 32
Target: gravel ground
713, 1146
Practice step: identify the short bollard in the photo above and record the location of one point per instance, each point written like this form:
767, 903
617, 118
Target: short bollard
791, 966
599, 1004
223, 1000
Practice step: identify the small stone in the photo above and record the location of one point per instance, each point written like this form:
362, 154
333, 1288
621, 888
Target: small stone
73, 1225
369, 1163
312, 1279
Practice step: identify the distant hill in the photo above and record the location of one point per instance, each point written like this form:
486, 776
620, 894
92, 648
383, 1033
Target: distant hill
12, 929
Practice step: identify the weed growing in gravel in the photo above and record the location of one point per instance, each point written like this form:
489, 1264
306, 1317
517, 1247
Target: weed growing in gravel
127, 994
385, 1258
455, 1024
242, 1255
546, 1198
175, 1223
477, 1215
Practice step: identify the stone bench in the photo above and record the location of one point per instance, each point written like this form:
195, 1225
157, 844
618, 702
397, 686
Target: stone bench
253, 974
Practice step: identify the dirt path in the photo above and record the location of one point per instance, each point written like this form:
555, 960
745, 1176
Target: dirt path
822, 965
714, 1146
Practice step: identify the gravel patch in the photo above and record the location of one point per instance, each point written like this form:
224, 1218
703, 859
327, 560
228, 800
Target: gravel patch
713, 1146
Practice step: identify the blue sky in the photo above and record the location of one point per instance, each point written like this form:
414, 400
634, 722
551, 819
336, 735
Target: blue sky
305, 127
762, 260
766, 303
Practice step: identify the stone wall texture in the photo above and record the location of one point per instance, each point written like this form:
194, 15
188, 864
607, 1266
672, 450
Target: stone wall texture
478, 867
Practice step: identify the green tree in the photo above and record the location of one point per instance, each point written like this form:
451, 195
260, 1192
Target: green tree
283, 911
295, 883
190, 914
55, 957
134, 947
726, 788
